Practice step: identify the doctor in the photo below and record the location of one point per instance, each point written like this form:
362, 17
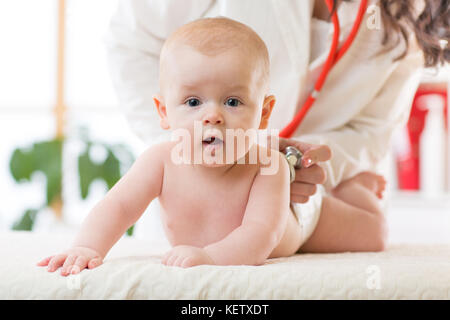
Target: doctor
366, 96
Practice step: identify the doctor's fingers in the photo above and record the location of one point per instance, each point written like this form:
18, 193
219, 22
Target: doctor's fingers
314, 152
299, 199
300, 192
314, 174
300, 189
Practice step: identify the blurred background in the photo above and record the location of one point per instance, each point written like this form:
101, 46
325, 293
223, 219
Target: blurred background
64, 142
54, 80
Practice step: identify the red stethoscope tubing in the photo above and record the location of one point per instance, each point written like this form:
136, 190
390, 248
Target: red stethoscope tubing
333, 56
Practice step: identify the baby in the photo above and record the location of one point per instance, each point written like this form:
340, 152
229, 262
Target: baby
214, 78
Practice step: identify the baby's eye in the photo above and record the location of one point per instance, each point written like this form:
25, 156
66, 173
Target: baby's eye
193, 102
233, 102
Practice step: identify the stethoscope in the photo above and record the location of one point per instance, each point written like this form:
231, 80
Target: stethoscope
293, 155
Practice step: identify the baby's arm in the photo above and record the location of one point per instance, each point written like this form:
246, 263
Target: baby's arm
112, 216
263, 224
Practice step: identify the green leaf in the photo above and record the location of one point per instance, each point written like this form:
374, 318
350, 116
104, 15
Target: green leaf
124, 155
130, 231
45, 156
27, 220
108, 171
21, 165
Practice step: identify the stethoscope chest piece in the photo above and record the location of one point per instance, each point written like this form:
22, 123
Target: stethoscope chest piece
294, 159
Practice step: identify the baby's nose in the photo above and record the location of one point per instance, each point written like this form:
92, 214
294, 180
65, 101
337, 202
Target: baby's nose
213, 117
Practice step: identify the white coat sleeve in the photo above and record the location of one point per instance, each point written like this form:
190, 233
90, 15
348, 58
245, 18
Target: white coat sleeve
133, 42
364, 141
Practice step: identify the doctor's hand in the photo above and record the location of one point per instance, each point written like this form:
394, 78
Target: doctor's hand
310, 174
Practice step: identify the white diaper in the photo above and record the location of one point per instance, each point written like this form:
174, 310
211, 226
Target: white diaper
308, 213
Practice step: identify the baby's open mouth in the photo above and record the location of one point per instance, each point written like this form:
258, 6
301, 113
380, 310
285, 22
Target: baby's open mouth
212, 141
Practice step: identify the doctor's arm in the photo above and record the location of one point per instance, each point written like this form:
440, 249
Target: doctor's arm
133, 42
364, 141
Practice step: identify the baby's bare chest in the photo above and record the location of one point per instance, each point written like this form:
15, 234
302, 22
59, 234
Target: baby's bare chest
191, 201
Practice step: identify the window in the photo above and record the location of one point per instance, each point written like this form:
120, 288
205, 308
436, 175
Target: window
28, 64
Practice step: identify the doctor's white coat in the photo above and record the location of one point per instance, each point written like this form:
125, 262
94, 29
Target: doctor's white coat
364, 99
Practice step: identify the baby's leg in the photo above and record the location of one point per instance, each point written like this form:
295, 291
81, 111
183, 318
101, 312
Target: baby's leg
351, 219
368, 184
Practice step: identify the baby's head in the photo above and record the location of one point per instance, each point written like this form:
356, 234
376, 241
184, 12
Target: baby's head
214, 72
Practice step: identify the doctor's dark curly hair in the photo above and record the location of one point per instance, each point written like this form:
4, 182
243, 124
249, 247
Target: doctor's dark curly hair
431, 27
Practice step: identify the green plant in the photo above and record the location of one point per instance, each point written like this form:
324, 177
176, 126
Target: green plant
46, 157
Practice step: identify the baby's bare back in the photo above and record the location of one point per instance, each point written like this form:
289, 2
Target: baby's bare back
201, 206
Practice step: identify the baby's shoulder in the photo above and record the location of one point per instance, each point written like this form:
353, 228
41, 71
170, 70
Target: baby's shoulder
158, 151
163, 146
267, 155
271, 161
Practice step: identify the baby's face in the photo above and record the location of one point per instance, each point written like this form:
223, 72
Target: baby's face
215, 94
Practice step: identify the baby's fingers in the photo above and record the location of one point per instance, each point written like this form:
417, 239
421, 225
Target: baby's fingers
70, 260
179, 261
44, 261
56, 262
171, 260
166, 257
94, 263
80, 264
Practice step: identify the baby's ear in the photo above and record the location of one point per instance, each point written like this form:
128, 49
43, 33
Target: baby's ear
268, 104
161, 108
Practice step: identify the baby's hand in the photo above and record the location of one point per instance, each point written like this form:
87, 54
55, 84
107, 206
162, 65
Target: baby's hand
186, 256
73, 260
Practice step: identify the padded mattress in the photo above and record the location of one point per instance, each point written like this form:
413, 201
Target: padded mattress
133, 270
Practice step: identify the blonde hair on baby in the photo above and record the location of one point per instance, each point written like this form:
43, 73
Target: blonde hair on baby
212, 36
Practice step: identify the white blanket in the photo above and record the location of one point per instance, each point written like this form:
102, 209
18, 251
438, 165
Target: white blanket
132, 270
